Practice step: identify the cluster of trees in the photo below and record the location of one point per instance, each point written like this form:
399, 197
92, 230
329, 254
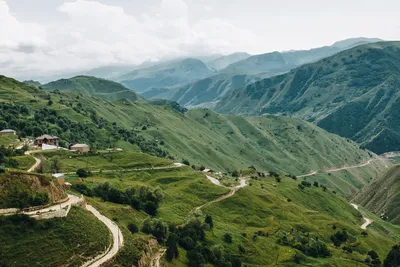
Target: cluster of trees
6, 155
46, 120
191, 237
339, 237
143, 198
310, 246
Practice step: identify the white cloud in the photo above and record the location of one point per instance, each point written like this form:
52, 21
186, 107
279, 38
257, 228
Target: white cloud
96, 34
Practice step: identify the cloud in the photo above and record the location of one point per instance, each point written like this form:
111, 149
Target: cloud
95, 34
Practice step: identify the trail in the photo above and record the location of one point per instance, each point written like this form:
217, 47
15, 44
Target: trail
155, 260
343, 168
367, 221
118, 240
38, 161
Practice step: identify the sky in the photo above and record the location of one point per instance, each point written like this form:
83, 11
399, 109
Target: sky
45, 37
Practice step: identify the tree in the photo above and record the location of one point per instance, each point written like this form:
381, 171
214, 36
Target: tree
133, 228
82, 173
316, 184
228, 238
278, 179
209, 221
12, 163
364, 233
172, 247
393, 258
56, 164
373, 254
196, 258
235, 173
186, 162
50, 102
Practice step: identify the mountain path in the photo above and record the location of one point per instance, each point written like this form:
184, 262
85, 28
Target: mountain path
367, 221
38, 161
343, 168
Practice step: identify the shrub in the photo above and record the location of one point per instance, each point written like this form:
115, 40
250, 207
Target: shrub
316, 184
209, 220
227, 238
186, 162
133, 228
82, 173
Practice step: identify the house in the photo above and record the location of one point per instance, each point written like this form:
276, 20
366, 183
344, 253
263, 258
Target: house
80, 148
8, 132
60, 177
47, 139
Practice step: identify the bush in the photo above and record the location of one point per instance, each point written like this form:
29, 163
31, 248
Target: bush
133, 228
227, 238
186, 162
316, 184
82, 173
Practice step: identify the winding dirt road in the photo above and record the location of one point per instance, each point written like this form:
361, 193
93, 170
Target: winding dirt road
38, 161
367, 221
342, 168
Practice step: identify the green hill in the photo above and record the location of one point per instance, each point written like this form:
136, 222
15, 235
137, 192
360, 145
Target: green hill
269, 222
165, 74
92, 86
202, 137
69, 241
21, 190
345, 94
382, 196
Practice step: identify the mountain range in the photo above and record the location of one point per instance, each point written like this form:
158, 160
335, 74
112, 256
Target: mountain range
354, 93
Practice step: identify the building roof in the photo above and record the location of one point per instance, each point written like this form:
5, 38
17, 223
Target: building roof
79, 145
46, 136
58, 175
7, 131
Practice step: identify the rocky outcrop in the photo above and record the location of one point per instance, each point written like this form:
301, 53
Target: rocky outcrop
148, 253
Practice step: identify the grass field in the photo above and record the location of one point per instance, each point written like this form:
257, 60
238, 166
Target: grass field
8, 140
103, 161
25, 162
68, 241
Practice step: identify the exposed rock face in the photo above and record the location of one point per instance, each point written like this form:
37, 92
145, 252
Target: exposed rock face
17, 185
148, 253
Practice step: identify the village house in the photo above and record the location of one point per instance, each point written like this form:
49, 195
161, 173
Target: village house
47, 139
80, 148
8, 132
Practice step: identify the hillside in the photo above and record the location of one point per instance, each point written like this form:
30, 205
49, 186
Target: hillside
335, 93
201, 136
20, 190
382, 196
92, 86
69, 241
208, 91
258, 225
165, 74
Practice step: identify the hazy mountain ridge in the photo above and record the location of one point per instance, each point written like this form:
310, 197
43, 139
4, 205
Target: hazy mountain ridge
354, 94
251, 69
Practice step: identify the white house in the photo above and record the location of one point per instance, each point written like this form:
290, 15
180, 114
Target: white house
8, 132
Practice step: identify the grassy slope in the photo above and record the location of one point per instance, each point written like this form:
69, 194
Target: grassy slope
69, 241
216, 141
261, 206
92, 86
25, 162
8, 140
103, 161
342, 90
383, 195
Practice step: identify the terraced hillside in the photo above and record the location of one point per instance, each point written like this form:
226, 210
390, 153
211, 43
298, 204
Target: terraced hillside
382, 196
354, 94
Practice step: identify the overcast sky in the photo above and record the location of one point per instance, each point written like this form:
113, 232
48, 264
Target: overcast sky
49, 36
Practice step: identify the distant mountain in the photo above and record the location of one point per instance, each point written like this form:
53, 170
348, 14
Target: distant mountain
382, 196
33, 83
92, 86
224, 61
202, 93
354, 94
355, 42
111, 71
165, 74
208, 91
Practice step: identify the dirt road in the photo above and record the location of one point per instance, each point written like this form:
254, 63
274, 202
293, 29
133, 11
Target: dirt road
367, 221
342, 168
37, 163
118, 240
